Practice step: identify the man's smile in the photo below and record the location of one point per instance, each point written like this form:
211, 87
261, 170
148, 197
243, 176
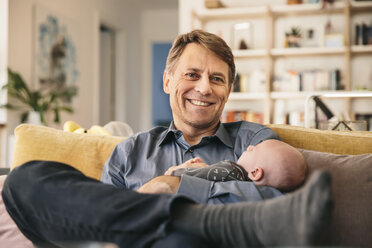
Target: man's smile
199, 103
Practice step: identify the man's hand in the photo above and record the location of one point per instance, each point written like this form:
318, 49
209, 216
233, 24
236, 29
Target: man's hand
161, 185
192, 163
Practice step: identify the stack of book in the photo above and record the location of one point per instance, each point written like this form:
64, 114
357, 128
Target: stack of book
363, 34
311, 80
252, 82
294, 118
252, 116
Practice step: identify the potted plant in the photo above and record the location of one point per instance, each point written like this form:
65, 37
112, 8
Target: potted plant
46, 99
293, 38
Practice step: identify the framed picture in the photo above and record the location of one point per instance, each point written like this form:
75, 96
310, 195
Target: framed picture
55, 50
334, 40
312, 36
242, 36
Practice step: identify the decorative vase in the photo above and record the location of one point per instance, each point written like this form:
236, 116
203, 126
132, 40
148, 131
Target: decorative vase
34, 118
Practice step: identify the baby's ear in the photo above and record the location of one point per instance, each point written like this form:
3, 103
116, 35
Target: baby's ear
256, 174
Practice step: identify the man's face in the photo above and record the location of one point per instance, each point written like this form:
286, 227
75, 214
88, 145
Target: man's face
198, 88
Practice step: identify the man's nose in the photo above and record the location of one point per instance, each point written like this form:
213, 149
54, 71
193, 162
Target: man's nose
204, 86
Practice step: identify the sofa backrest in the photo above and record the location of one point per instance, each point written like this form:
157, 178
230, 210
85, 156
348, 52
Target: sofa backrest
88, 152
339, 142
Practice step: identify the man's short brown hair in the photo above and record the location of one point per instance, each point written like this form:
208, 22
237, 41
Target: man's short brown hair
210, 41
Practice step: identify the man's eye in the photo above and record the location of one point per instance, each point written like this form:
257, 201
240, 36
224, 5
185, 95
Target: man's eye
217, 79
191, 75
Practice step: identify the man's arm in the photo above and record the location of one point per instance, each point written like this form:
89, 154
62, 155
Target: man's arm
204, 191
209, 192
168, 184
192, 163
161, 185
113, 170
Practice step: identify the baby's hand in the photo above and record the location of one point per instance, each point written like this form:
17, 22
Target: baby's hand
194, 160
192, 163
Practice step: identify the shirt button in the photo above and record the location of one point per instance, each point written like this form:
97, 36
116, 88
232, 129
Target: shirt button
191, 150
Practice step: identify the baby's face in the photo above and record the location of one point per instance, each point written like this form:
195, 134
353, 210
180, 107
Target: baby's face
259, 155
250, 157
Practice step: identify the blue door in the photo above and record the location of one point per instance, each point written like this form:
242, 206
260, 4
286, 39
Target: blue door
161, 111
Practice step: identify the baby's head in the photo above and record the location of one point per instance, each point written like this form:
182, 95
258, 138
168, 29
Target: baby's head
274, 163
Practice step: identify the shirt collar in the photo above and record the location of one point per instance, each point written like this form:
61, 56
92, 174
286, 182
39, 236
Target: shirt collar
170, 133
173, 133
223, 135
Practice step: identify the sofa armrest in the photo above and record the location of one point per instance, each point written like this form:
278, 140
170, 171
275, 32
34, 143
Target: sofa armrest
85, 152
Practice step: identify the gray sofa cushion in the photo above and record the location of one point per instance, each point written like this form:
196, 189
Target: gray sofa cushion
4, 171
10, 236
351, 223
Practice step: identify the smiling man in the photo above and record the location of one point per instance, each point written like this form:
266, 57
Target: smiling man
198, 77
52, 202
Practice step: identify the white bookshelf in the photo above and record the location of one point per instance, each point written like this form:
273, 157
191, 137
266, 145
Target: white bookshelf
271, 54
307, 9
308, 51
295, 95
205, 15
361, 49
237, 96
250, 53
361, 5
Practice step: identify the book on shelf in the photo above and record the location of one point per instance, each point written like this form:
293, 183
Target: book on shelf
363, 34
367, 118
310, 80
252, 82
281, 115
294, 118
251, 116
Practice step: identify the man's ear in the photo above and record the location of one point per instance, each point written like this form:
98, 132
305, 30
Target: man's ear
166, 82
256, 174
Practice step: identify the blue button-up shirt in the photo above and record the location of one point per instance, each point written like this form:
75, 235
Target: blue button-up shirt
146, 155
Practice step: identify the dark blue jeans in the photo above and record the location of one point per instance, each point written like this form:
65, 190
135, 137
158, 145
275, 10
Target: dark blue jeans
53, 202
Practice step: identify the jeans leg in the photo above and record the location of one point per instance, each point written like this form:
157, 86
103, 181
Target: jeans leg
183, 240
50, 201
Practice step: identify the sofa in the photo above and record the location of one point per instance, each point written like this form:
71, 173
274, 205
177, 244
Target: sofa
346, 155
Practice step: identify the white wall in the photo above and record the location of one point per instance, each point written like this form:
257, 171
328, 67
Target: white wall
87, 14
165, 30
3, 53
3, 75
184, 8
126, 18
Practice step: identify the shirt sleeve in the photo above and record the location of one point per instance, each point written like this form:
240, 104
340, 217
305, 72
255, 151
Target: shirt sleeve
208, 192
263, 134
114, 167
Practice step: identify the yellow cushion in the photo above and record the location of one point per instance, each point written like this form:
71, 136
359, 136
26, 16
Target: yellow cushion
339, 142
85, 152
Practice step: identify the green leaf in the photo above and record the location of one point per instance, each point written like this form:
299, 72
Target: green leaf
56, 115
67, 109
48, 98
24, 117
9, 106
